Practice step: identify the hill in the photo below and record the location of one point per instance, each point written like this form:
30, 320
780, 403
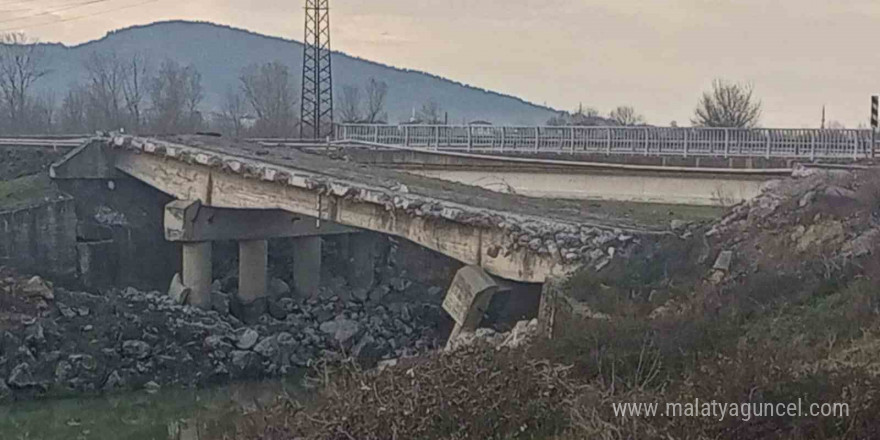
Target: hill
220, 52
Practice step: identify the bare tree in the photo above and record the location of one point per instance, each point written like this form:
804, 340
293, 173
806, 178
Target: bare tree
134, 88
269, 91
350, 104
588, 112
21, 65
430, 113
233, 111
728, 105
105, 78
559, 120
43, 114
176, 93
377, 92
626, 115
73, 110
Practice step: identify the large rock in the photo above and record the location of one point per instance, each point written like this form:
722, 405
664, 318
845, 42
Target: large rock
268, 347
558, 310
820, 234
342, 330
36, 287
136, 349
245, 363
177, 290
114, 381
5, 392
246, 338
277, 288
21, 376
723, 261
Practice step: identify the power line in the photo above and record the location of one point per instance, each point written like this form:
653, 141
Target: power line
52, 11
79, 17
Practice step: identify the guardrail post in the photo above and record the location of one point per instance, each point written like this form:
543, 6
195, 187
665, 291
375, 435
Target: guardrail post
812, 145
608, 141
767, 133
470, 137
503, 137
856, 149
571, 138
376, 134
647, 144
726, 142
873, 140
686, 132
436, 137
406, 135
537, 138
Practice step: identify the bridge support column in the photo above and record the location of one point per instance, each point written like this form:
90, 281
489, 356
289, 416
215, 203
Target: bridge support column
252, 263
467, 300
197, 273
307, 265
363, 250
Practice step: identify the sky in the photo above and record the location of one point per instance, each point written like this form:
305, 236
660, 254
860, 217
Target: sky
655, 55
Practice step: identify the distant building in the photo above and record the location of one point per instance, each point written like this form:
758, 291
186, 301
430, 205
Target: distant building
247, 121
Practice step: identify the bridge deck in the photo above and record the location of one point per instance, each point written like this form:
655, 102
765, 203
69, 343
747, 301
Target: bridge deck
512, 236
580, 212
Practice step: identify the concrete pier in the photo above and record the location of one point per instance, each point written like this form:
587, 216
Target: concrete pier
252, 264
363, 250
307, 265
197, 272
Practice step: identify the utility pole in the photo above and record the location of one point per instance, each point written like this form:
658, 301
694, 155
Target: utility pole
316, 100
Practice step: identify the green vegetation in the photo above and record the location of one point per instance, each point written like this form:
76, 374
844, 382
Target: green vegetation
27, 191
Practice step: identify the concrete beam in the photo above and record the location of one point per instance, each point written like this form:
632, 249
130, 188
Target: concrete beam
197, 273
307, 265
187, 220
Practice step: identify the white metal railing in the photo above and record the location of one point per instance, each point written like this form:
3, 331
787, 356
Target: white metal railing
665, 141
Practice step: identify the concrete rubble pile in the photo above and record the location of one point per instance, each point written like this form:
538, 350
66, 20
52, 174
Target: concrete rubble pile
56, 341
819, 215
522, 334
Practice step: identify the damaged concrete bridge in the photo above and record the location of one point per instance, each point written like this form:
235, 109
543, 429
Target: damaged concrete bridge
228, 190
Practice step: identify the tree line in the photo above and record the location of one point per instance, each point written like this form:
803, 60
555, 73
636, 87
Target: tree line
727, 104
134, 94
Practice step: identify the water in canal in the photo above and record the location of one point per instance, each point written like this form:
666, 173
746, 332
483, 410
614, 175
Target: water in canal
139, 415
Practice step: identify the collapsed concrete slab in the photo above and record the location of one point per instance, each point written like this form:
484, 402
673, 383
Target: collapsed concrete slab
467, 299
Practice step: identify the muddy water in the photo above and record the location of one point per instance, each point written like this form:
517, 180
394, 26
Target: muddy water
163, 415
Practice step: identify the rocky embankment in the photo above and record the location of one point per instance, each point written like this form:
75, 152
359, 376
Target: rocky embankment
55, 341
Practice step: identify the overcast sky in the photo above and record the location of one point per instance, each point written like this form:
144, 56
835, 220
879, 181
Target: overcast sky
656, 55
